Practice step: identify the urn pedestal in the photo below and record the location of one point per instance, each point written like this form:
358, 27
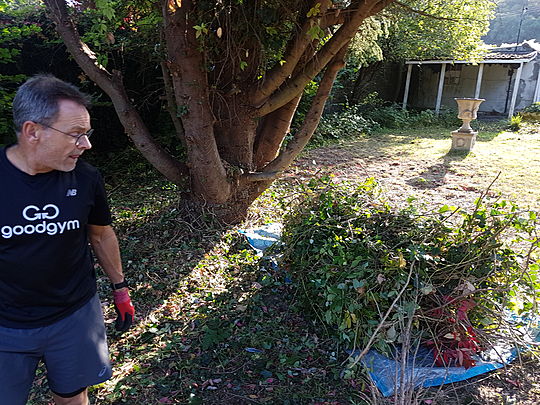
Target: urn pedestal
463, 141
465, 137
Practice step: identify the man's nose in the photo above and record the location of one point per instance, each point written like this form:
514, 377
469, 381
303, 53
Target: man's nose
84, 143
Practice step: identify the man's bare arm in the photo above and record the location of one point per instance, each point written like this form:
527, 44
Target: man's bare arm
105, 246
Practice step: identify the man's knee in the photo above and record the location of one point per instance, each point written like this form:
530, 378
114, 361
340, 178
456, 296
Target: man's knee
78, 397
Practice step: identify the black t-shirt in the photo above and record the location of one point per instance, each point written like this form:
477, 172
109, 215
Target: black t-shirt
46, 267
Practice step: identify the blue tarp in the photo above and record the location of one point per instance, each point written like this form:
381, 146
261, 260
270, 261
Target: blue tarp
262, 237
420, 370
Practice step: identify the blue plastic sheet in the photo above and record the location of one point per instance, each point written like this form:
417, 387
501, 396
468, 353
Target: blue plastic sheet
420, 370
262, 237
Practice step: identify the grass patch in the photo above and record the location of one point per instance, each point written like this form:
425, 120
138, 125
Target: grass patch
512, 156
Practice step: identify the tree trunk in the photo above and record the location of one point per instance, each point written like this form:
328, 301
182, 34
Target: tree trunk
235, 137
267, 144
186, 64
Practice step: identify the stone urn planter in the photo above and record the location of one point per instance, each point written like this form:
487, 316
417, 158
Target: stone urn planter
465, 137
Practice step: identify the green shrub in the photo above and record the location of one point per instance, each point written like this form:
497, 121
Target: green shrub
425, 118
341, 125
448, 118
353, 255
515, 123
390, 117
372, 114
534, 107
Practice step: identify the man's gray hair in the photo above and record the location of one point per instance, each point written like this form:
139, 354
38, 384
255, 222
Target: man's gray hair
37, 100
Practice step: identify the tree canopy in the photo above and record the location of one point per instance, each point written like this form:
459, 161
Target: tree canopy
233, 72
12, 35
428, 30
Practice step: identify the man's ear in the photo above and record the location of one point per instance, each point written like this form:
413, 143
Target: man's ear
29, 131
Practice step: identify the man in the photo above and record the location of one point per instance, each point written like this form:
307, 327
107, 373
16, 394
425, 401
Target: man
53, 206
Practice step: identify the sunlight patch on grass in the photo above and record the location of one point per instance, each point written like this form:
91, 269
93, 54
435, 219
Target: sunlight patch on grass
515, 155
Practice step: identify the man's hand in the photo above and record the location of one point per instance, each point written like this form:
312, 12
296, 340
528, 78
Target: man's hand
124, 308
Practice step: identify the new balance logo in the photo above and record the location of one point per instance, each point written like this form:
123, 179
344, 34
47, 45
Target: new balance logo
71, 192
103, 371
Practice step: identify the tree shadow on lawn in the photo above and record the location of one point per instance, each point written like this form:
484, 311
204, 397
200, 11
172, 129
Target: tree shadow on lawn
380, 146
232, 336
487, 131
215, 325
435, 175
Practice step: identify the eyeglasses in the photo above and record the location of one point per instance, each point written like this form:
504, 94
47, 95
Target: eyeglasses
77, 137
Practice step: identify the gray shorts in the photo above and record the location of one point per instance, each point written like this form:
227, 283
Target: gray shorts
73, 349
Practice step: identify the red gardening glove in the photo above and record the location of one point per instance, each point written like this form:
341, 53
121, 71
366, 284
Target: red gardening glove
124, 308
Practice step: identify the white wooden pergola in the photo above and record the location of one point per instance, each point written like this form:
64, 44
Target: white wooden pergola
481, 64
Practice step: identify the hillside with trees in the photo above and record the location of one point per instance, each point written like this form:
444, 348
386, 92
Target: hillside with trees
515, 21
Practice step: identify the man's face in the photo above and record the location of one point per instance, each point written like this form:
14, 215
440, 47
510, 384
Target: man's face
56, 150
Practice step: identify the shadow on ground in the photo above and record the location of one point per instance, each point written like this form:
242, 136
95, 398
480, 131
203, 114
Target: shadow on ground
435, 175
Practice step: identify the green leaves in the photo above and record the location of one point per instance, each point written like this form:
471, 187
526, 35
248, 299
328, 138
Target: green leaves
316, 32
447, 208
454, 30
200, 30
13, 33
215, 332
314, 11
353, 254
105, 7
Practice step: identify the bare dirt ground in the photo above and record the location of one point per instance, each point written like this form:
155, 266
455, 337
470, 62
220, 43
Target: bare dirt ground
421, 164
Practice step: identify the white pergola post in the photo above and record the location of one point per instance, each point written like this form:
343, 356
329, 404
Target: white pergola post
479, 80
407, 86
515, 91
440, 89
537, 91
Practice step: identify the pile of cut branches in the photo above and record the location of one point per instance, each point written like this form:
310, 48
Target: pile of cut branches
378, 277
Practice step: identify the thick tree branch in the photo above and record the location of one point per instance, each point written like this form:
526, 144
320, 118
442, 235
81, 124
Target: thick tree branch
261, 176
112, 85
302, 137
273, 129
187, 66
280, 73
333, 17
274, 126
342, 36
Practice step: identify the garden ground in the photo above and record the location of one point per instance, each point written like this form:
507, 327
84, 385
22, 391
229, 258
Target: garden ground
216, 325
420, 163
